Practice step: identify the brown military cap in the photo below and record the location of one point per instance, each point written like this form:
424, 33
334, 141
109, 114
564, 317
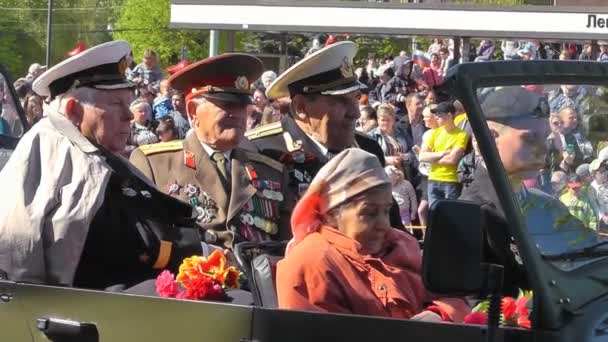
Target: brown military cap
226, 77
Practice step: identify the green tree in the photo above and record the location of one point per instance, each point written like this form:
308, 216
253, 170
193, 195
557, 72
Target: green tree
25, 22
145, 24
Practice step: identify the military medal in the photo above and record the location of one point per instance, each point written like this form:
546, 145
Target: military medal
129, 192
298, 157
251, 173
298, 174
173, 188
146, 194
191, 190
247, 219
205, 207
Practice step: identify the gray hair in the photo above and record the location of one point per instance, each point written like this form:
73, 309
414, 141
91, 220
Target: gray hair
138, 103
84, 95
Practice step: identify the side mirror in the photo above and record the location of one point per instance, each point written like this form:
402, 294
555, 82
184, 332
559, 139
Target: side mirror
453, 248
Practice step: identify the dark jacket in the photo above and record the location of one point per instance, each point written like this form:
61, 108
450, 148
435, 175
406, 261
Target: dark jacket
285, 142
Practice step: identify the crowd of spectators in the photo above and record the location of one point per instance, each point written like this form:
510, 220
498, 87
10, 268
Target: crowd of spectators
427, 140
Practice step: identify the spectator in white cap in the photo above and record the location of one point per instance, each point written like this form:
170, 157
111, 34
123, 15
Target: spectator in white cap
346, 258
73, 197
324, 93
34, 71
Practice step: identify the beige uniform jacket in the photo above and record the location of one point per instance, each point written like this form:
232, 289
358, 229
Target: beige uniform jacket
52, 186
255, 206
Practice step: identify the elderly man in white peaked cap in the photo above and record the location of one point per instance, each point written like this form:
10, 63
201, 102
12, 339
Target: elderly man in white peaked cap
325, 92
78, 214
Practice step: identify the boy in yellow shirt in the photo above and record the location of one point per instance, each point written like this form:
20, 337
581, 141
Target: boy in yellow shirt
444, 150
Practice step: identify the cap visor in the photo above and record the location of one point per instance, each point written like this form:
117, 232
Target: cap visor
114, 85
230, 97
345, 89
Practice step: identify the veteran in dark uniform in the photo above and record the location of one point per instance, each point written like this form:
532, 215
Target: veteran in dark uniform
238, 194
324, 92
78, 213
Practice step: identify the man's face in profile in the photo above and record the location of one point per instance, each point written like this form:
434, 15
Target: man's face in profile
521, 144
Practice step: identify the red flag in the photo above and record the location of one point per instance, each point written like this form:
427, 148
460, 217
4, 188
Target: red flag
177, 67
80, 47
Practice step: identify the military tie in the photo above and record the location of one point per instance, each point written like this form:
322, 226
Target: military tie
220, 161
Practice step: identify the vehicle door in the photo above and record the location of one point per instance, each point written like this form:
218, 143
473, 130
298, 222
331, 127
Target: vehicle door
69, 314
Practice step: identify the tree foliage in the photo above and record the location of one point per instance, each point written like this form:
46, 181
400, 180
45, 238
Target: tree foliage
23, 27
145, 24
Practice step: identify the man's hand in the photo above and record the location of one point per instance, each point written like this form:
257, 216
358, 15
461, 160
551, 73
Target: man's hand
230, 258
416, 149
605, 218
394, 160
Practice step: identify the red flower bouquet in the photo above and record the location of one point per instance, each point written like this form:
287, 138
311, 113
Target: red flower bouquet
514, 312
199, 278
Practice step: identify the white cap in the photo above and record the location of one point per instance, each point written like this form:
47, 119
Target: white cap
603, 154
595, 165
36, 67
328, 71
102, 67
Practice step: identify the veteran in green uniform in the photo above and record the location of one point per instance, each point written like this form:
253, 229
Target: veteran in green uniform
238, 194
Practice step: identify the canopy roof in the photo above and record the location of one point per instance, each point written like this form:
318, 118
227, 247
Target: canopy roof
542, 22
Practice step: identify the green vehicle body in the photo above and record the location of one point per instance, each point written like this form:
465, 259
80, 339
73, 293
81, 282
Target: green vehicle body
568, 306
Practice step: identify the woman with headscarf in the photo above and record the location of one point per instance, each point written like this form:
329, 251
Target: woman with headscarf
345, 257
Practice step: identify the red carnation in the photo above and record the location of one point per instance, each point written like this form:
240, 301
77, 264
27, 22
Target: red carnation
166, 285
521, 307
478, 317
508, 308
524, 322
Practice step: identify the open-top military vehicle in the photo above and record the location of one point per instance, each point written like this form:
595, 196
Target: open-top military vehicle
568, 276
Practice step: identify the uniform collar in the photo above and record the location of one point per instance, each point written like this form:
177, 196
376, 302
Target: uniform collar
320, 146
67, 129
210, 151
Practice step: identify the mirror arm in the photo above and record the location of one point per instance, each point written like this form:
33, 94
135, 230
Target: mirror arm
493, 281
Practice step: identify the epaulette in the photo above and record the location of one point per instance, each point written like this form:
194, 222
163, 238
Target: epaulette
264, 131
362, 134
169, 146
260, 158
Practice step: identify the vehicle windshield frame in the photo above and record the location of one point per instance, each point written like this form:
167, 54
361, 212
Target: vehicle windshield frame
11, 89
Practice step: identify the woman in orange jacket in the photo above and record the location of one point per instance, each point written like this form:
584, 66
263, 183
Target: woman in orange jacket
346, 258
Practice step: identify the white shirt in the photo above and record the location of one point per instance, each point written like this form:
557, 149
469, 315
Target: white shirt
320, 146
210, 151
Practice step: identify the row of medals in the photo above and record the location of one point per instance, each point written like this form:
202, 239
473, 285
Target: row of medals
262, 210
204, 205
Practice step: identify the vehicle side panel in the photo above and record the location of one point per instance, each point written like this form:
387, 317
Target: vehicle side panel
123, 317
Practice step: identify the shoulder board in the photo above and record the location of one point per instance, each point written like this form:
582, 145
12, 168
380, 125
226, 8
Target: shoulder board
264, 131
364, 136
169, 146
260, 158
